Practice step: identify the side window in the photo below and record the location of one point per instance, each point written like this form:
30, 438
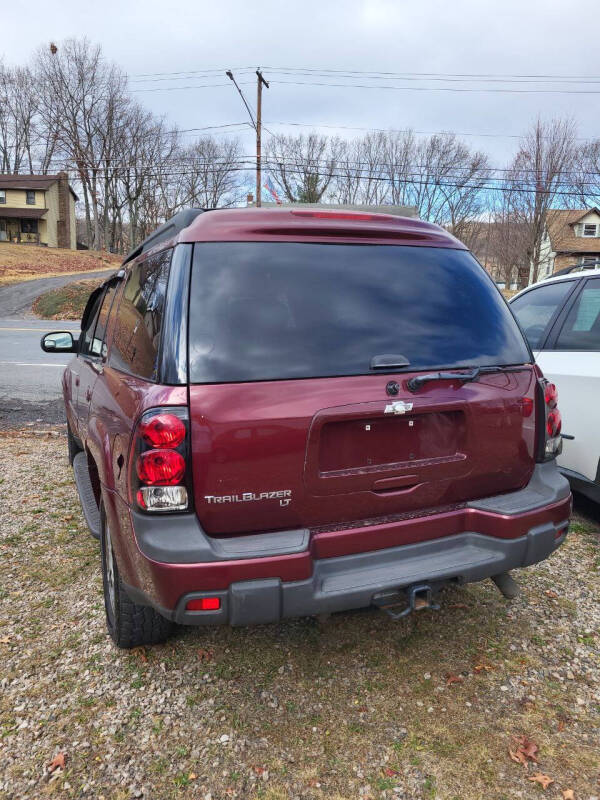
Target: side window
581, 330
135, 344
99, 344
535, 309
87, 332
93, 343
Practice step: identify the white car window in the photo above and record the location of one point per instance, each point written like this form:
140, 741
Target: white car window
535, 309
581, 330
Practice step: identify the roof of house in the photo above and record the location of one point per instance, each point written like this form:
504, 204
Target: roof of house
40, 182
22, 213
561, 228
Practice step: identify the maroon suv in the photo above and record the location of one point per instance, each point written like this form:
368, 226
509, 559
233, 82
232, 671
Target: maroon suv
288, 412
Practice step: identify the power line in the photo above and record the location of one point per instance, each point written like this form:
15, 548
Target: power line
377, 73
436, 88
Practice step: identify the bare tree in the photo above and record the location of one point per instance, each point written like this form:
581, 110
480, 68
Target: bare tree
19, 123
539, 175
302, 167
359, 175
586, 180
213, 175
81, 98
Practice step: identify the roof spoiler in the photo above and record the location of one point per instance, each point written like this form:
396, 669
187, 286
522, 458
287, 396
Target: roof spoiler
167, 230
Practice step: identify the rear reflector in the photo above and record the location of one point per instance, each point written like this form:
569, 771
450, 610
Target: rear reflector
204, 604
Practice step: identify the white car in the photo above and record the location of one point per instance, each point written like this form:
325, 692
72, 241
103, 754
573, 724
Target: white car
560, 317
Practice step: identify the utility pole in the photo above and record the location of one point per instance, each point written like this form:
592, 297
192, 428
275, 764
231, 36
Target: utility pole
259, 85
256, 124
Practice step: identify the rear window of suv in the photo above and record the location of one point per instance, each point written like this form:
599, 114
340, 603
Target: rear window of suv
272, 311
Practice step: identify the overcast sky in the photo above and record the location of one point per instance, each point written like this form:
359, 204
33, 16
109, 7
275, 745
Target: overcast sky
510, 37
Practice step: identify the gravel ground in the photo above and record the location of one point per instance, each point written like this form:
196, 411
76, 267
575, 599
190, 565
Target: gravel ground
354, 706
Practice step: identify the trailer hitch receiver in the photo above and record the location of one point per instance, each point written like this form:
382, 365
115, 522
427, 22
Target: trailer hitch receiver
400, 604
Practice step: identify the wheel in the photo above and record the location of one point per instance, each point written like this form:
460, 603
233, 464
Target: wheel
129, 624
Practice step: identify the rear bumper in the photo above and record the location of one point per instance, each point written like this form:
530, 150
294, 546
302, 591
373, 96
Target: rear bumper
265, 578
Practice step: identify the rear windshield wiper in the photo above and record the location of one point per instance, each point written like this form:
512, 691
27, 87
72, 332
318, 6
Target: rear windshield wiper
389, 361
415, 383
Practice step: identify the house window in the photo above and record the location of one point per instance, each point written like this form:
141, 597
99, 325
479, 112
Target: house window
29, 226
30, 197
3, 196
589, 229
589, 261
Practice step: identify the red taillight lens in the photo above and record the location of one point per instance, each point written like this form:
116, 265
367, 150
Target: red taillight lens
553, 423
204, 604
160, 467
162, 430
551, 395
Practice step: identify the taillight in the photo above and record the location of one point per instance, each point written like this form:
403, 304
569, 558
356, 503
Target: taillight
159, 468
162, 430
553, 423
550, 395
549, 421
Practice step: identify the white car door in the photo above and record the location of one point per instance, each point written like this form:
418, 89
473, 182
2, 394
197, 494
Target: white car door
570, 358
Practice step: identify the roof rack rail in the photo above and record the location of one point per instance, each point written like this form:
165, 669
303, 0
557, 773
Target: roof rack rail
167, 230
573, 268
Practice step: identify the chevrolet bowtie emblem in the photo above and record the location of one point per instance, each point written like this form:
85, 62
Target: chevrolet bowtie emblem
398, 407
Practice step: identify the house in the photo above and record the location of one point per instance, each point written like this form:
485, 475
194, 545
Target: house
37, 209
571, 237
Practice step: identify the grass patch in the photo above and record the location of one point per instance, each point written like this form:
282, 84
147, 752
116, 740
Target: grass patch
66, 302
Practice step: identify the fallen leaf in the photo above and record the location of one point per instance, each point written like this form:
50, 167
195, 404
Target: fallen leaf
543, 780
528, 747
568, 794
518, 756
141, 652
481, 667
560, 726
390, 773
58, 762
205, 655
451, 678
4, 639
258, 770
192, 776
551, 593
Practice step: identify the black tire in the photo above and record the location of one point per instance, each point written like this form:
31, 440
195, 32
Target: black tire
129, 624
73, 445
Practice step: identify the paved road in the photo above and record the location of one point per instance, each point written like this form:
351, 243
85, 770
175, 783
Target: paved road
16, 300
29, 378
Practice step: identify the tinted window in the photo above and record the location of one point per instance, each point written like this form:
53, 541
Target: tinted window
87, 331
535, 309
139, 318
263, 311
581, 330
99, 344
